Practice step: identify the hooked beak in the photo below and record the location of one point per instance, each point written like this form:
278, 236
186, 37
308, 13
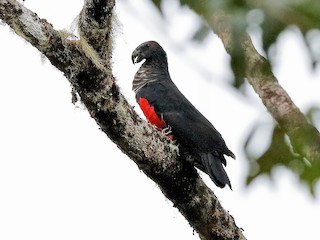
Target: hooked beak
136, 56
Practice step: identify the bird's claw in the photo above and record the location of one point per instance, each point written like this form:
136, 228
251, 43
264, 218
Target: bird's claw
167, 131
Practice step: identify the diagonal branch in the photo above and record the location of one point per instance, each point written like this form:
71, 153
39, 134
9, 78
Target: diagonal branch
304, 137
86, 64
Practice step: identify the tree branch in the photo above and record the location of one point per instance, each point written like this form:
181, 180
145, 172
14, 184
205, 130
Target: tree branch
304, 137
86, 64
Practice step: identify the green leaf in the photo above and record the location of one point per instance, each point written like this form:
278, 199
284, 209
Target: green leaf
278, 153
201, 33
157, 4
271, 30
313, 115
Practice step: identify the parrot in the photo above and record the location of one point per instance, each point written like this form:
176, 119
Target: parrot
165, 107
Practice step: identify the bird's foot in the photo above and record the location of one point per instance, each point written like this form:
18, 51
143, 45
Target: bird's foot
173, 147
172, 141
168, 132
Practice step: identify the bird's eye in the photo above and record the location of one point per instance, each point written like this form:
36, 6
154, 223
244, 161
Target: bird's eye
148, 45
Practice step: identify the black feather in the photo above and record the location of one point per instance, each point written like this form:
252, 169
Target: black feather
215, 170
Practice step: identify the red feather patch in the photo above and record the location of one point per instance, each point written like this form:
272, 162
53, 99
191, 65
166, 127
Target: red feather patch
150, 114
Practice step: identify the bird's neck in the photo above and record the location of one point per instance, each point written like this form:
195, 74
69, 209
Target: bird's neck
150, 71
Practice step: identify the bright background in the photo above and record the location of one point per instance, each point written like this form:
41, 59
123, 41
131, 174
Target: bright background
62, 178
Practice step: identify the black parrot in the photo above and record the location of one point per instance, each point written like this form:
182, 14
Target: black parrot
165, 106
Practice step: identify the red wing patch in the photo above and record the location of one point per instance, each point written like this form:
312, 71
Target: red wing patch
150, 114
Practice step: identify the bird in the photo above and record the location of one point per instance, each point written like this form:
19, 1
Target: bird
167, 108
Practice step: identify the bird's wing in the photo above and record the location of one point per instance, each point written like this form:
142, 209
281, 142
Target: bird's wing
187, 123
195, 131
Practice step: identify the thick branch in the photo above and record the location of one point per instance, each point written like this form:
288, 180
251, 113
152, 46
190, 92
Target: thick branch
86, 63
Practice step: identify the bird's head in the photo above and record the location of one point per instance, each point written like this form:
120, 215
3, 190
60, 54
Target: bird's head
148, 51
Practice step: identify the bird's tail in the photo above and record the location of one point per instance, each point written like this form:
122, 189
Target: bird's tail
213, 167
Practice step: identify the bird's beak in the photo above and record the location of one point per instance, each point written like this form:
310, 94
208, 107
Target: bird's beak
134, 59
136, 56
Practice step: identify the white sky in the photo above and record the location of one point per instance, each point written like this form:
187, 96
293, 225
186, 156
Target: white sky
62, 178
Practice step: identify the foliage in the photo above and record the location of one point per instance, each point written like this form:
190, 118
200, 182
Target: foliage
272, 18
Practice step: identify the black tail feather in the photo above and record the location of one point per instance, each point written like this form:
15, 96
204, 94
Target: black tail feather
213, 167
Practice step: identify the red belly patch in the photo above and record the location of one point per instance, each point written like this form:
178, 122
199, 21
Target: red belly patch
152, 117
150, 114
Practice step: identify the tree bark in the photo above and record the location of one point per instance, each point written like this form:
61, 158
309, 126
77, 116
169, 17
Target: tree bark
86, 64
